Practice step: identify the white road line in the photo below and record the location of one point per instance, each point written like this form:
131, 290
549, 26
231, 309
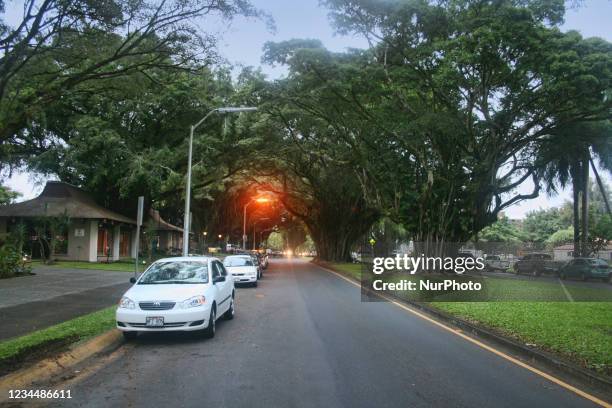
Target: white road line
567, 294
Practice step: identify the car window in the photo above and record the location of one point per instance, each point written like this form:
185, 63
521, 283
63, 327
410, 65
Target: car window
175, 272
215, 270
221, 268
546, 256
238, 261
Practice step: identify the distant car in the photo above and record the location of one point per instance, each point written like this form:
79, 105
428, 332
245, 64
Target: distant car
264, 261
495, 263
177, 294
586, 268
242, 268
536, 264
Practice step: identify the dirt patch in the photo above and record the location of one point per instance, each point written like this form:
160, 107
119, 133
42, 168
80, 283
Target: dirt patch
36, 353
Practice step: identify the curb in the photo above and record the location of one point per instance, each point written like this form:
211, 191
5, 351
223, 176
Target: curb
48, 368
540, 358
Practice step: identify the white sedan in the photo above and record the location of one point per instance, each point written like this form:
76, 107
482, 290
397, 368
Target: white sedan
177, 294
242, 268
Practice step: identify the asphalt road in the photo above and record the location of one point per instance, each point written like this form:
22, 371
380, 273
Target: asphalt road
303, 338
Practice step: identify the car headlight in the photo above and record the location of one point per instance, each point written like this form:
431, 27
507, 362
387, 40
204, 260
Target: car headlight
127, 303
195, 301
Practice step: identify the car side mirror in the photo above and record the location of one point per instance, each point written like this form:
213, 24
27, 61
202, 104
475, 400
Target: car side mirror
132, 280
219, 279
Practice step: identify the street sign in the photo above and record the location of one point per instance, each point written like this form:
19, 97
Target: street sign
140, 210
138, 224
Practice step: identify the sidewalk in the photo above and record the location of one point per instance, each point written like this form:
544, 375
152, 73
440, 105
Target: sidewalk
55, 295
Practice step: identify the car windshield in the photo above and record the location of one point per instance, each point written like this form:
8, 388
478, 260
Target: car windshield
237, 261
175, 272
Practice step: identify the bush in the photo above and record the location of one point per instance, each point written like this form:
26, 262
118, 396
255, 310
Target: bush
11, 262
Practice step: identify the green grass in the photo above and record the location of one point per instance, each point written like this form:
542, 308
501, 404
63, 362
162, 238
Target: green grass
122, 266
71, 331
351, 269
579, 331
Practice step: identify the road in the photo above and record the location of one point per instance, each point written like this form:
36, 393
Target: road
303, 338
54, 295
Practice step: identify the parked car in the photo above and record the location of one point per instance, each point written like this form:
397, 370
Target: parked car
536, 264
495, 263
243, 268
177, 294
586, 268
260, 260
264, 261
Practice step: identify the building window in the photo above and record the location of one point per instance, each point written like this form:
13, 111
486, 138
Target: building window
124, 244
105, 241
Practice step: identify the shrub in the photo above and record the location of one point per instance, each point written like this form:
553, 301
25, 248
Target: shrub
11, 262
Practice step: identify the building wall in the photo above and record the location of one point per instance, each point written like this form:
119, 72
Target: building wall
562, 254
2, 229
78, 245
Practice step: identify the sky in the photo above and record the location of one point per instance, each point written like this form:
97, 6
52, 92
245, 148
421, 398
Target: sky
243, 39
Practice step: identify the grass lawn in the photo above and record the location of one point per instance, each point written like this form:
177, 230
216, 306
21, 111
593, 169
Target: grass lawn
70, 331
122, 266
580, 331
351, 269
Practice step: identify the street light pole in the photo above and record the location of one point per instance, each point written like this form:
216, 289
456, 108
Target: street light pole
254, 229
244, 236
186, 222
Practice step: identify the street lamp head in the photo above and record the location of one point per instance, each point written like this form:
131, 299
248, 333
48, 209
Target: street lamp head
262, 200
231, 109
205, 233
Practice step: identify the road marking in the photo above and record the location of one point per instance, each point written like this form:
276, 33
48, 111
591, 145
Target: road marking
503, 355
567, 294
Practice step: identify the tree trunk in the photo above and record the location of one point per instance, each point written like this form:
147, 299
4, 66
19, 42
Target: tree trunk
585, 205
576, 212
335, 237
602, 190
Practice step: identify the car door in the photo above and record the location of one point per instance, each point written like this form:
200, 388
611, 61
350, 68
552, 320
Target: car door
569, 269
216, 287
582, 267
224, 288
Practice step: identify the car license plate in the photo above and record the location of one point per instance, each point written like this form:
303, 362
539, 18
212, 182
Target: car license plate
155, 322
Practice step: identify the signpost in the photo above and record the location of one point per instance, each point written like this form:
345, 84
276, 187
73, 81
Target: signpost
138, 224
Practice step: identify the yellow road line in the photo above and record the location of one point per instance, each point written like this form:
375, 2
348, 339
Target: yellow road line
503, 355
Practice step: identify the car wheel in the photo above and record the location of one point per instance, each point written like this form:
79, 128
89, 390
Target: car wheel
129, 335
255, 284
209, 332
229, 315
